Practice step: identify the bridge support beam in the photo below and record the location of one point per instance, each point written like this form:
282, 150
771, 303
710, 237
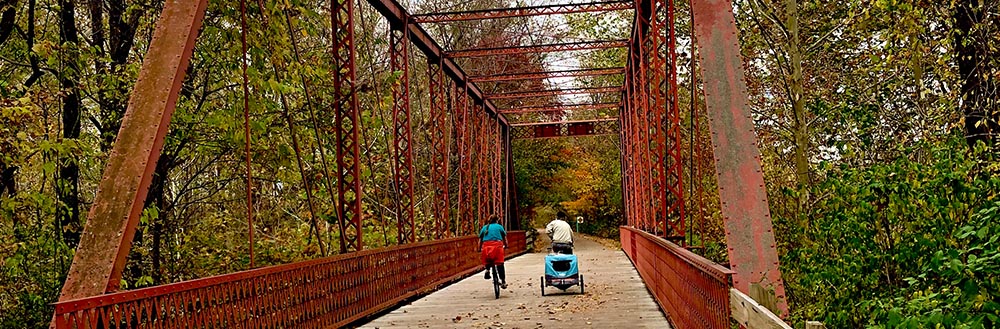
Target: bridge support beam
399, 60
439, 148
749, 233
107, 238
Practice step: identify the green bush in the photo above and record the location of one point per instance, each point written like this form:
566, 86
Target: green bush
910, 243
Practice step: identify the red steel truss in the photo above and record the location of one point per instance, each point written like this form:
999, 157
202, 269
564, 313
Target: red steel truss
554, 92
100, 258
595, 127
557, 9
537, 49
346, 117
547, 75
462, 133
580, 107
399, 59
439, 148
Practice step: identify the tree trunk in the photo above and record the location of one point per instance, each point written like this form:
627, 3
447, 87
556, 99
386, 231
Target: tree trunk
975, 65
67, 185
800, 123
8, 12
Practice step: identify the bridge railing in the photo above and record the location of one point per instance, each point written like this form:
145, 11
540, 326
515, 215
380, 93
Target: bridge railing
692, 290
332, 291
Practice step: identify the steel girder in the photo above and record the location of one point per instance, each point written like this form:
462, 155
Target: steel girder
547, 75
555, 92
537, 49
749, 232
347, 121
564, 108
522, 11
595, 127
104, 246
399, 59
439, 148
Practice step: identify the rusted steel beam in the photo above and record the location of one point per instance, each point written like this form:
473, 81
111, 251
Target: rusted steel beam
347, 120
536, 49
107, 238
578, 107
528, 124
556, 9
547, 75
399, 17
674, 155
749, 232
399, 60
439, 148
462, 135
554, 92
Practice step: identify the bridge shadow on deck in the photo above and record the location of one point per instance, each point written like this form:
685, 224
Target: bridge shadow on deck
615, 298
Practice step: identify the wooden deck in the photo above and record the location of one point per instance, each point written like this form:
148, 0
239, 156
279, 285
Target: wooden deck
615, 298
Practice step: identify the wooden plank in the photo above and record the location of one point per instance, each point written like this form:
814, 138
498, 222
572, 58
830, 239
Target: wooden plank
750, 314
815, 325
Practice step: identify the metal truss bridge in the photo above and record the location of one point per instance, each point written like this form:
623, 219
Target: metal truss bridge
474, 121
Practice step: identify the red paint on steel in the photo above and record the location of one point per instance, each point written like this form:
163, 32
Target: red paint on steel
692, 290
674, 156
749, 232
556, 9
327, 292
537, 49
439, 148
110, 227
462, 134
347, 121
554, 92
580, 107
547, 75
399, 61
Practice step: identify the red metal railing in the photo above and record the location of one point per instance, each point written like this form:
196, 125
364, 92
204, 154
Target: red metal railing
693, 291
332, 291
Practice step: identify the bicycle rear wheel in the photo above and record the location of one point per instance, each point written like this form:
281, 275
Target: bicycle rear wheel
496, 282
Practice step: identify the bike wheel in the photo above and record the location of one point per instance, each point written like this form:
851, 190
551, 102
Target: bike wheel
581, 284
542, 279
496, 283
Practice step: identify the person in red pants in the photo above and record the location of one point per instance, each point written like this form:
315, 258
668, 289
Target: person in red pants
492, 242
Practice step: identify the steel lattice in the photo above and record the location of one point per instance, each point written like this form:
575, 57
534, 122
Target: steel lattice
549, 48
346, 111
439, 147
399, 59
522, 11
547, 75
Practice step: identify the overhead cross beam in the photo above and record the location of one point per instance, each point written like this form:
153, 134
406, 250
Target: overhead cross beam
607, 126
397, 16
548, 74
581, 107
554, 92
557, 9
536, 49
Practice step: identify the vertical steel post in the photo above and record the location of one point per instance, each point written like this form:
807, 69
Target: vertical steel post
439, 148
346, 118
462, 135
107, 236
674, 157
743, 198
399, 60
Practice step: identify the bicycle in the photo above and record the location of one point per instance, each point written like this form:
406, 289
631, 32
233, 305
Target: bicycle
496, 280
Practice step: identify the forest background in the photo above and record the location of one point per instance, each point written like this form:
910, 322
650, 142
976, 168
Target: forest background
874, 119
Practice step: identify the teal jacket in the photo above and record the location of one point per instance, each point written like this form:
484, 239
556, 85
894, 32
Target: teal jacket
492, 232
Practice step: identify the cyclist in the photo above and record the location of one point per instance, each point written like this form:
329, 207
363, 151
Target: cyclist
492, 242
561, 234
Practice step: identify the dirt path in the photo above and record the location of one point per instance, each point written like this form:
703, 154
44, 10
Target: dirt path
615, 298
